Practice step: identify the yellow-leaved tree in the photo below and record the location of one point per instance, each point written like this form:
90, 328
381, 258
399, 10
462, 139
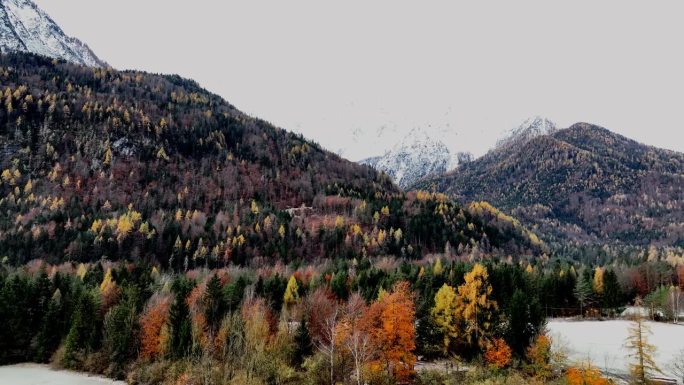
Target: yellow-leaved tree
445, 314
475, 307
291, 296
598, 280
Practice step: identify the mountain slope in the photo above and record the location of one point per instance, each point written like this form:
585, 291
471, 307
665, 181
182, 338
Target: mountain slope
101, 163
582, 183
26, 28
415, 157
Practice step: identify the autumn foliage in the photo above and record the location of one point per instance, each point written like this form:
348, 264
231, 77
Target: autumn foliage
390, 323
152, 325
539, 356
585, 376
498, 354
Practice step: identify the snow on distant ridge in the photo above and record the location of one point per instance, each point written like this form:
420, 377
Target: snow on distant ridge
26, 28
529, 129
416, 156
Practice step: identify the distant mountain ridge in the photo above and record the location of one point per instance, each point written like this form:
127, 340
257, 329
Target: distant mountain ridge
416, 156
99, 163
24, 27
583, 183
529, 129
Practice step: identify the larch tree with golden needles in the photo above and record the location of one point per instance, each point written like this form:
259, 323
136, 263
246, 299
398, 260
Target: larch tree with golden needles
446, 316
291, 296
475, 307
108, 291
598, 280
641, 351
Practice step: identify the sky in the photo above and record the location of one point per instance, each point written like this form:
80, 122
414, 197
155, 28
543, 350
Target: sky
356, 76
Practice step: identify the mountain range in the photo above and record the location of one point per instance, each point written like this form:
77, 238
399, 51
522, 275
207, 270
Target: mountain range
103, 162
579, 184
420, 155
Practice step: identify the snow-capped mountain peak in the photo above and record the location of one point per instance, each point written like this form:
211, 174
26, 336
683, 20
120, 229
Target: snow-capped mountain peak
414, 157
529, 129
26, 28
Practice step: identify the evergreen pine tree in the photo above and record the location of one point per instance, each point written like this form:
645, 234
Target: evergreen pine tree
179, 319
612, 292
119, 330
303, 346
429, 339
50, 333
583, 291
83, 335
214, 304
525, 321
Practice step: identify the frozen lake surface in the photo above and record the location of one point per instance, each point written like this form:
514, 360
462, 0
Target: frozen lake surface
603, 342
35, 374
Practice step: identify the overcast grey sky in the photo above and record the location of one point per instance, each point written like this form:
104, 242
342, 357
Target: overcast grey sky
339, 71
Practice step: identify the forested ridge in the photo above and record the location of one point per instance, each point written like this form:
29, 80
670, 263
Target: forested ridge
582, 185
98, 163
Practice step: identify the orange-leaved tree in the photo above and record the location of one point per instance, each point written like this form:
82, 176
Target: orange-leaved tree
539, 357
152, 324
498, 354
585, 376
390, 323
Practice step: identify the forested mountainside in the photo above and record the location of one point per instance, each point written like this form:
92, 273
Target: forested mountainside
100, 163
583, 183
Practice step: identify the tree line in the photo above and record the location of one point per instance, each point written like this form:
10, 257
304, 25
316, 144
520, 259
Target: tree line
337, 322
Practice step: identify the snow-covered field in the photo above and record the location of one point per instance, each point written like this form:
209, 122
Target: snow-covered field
35, 374
603, 342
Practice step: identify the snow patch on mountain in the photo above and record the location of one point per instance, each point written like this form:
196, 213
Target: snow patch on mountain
416, 156
529, 129
26, 28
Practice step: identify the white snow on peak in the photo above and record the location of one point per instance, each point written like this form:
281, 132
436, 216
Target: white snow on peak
26, 28
416, 156
529, 129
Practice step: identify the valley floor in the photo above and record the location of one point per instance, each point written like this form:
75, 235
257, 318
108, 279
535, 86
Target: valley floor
37, 374
603, 343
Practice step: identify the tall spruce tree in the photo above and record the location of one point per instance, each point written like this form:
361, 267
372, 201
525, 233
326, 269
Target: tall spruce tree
302, 344
119, 330
179, 319
84, 334
525, 321
50, 333
215, 304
